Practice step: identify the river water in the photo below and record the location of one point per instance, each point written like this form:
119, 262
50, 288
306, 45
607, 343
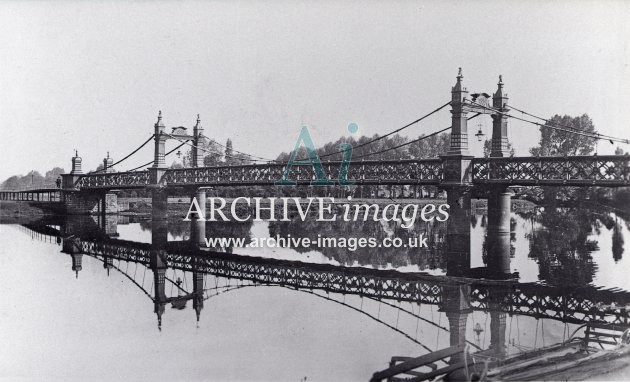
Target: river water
67, 314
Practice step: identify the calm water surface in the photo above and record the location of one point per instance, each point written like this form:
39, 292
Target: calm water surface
98, 320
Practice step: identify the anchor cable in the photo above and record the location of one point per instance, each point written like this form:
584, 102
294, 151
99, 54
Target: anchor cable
126, 157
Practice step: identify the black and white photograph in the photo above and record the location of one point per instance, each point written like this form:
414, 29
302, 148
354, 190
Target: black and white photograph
315, 190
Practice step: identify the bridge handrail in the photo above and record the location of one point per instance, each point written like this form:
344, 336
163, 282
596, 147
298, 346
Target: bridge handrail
104, 179
95, 175
551, 158
583, 170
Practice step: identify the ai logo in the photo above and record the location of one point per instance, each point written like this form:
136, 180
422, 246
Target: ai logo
314, 161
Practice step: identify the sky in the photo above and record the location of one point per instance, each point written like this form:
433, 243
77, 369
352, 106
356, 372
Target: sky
92, 76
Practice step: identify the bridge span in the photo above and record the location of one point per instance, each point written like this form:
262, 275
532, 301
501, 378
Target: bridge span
457, 171
609, 171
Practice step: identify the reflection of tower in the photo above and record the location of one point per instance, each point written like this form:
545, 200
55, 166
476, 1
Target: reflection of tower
456, 305
109, 224
159, 239
197, 293
496, 297
159, 280
198, 225
458, 232
76, 263
71, 247
108, 263
498, 240
498, 345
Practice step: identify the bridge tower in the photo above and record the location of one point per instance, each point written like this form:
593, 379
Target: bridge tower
159, 196
457, 161
198, 141
459, 110
457, 166
499, 197
160, 143
78, 202
198, 226
68, 180
500, 122
108, 164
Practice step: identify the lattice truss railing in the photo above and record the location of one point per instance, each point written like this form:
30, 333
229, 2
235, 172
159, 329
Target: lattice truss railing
568, 305
120, 250
132, 179
412, 289
609, 170
424, 171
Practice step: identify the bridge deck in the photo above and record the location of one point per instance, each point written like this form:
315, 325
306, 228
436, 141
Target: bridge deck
609, 171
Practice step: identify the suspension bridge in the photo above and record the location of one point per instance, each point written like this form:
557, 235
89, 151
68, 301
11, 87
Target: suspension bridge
456, 171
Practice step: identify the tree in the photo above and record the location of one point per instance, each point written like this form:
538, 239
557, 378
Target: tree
52, 175
12, 183
431, 147
555, 142
212, 152
619, 151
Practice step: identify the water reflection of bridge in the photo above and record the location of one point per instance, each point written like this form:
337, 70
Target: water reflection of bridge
569, 304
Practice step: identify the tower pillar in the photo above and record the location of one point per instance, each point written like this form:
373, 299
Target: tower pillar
459, 122
198, 141
500, 123
160, 143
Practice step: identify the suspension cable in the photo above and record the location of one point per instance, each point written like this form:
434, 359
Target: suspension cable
557, 124
240, 152
148, 163
404, 144
593, 135
414, 141
392, 132
212, 152
126, 157
133, 152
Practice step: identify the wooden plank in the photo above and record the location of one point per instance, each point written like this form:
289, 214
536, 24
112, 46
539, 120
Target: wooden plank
599, 341
416, 362
435, 373
600, 334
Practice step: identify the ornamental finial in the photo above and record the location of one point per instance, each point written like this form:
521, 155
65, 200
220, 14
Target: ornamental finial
500, 81
159, 115
198, 118
459, 73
